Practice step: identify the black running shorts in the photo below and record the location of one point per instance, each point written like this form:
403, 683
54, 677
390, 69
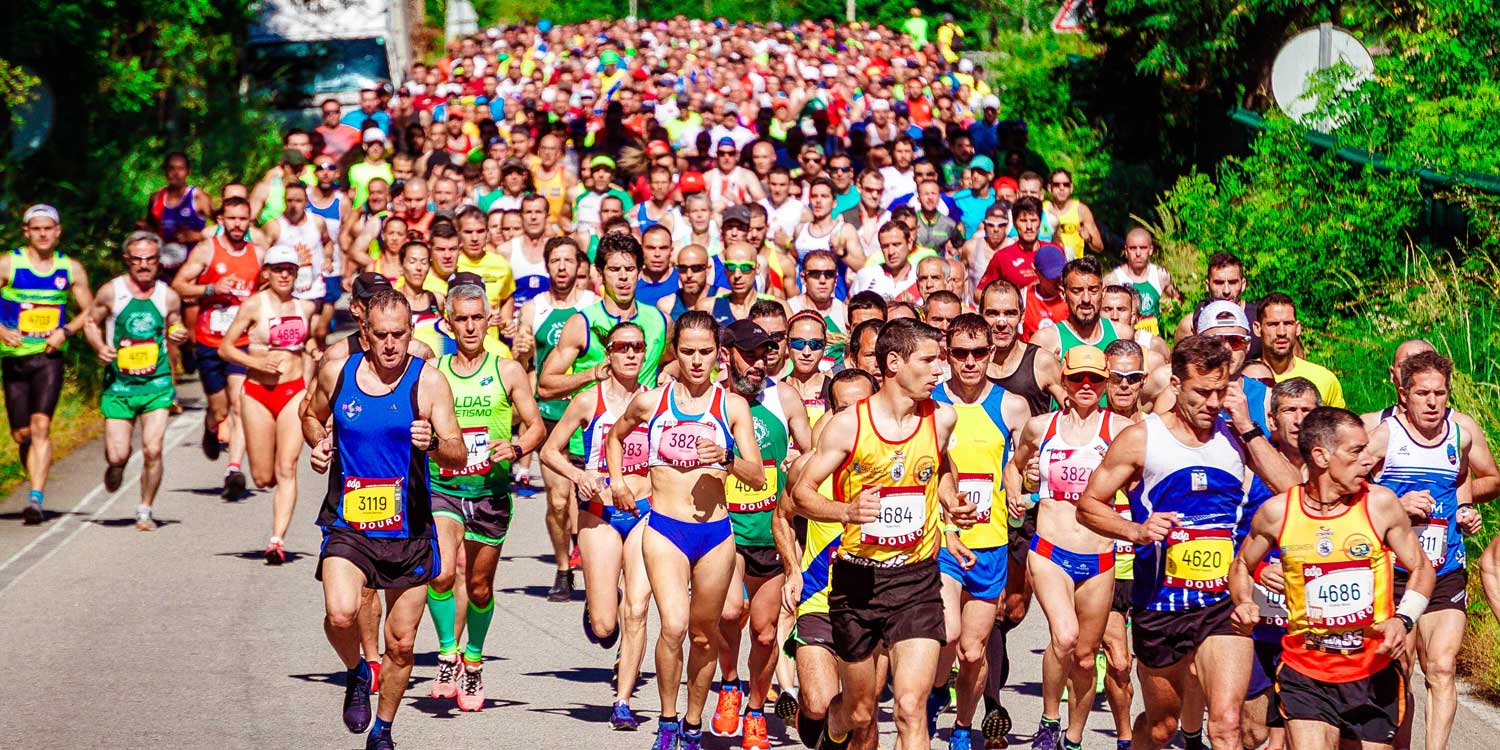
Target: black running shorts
1162, 639
1369, 710
869, 606
386, 563
33, 384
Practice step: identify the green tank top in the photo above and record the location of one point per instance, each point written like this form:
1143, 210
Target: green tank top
750, 510
1150, 298
548, 331
600, 323
34, 303
484, 415
275, 202
138, 332
1068, 339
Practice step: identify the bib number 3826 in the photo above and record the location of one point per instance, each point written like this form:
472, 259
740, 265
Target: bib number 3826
373, 504
903, 513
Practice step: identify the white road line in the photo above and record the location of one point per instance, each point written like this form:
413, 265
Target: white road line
132, 471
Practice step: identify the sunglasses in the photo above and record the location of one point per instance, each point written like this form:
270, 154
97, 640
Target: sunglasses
739, 267
1236, 341
776, 336
329, 166
621, 347
813, 160
731, 154
815, 273
997, 225
139, 259
978, 352
1062, 184
692, 267
1079, 378
1129, 378
801, 344
841, 169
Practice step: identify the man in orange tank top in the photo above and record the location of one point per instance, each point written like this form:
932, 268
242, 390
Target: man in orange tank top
1340, 678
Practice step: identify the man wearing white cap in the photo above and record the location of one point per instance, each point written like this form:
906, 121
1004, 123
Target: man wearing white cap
1226, 321
35, 280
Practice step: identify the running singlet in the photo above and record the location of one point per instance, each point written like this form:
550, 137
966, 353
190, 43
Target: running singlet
979, 457
529, 276
33, 303
750, 510
1023, 382
377, 485
234, 276
1410, 467
499, 280
547, 323
554, 189
673, 436
305, 240
1273, 614
1338, 584
1067, 338
169, 219
595, 432
484, 419
137, 329
1205, 487
1151, 289
1069, 222
818, 549
905, 473
1065, 469
332, 214
600, 322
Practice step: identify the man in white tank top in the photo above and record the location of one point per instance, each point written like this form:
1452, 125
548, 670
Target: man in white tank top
308, 236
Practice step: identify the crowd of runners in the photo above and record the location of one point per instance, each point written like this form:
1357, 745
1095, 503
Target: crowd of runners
799, 341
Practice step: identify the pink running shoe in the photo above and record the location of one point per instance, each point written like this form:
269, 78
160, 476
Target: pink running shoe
446, 684
471, 688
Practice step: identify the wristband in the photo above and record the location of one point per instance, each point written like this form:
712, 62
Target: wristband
208, 290
949, 528
1251, 434
1412, 605
432, 443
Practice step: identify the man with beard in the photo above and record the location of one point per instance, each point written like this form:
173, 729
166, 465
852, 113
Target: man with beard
1277, 327
692, 284
780, 421
1082, 287
820, 270
308, 237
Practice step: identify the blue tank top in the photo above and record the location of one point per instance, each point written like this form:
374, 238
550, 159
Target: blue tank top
182, 215
378, 483
722, 311
33, 303
1411, 466
652, 292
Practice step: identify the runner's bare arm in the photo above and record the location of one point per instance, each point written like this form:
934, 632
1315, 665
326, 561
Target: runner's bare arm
316, 408
554, 448
435, 406
796, 416
244, 319
614, 443
1394, 528
1023, 449
555, 381
956, 508
525, 340
746, 462
1121, 467
1048, 373
99, 311
833, 447
185, 282
1483, 474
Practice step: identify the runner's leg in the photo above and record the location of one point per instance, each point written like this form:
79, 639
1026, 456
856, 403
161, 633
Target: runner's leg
1440, 636
288, 441
765, 612
153, 431
633, 611
670, 575
117, 444
978, 619
1223, 663
405, 607
711, 577
1117, 684
602, 551
912, 664
342, 583
1091, 603
1161, 695
1054, 591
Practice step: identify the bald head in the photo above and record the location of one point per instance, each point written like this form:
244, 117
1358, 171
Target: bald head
740, 252
1404, 351
692, 255
1138, 234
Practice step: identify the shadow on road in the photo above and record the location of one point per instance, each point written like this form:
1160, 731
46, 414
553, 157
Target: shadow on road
539, 591
130, 522
257, 555
581, 712
51, 515
589, 675
446, 708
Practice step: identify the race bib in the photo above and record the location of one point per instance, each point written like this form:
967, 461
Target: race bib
1068, 472
219, 319
286, 332
979, 491
679, 443
1433, 533
1340, 594
37, 321
477, 443
372, 504
1272, 606
743, 499
903, 513
137, 357
635, 451
1199, 559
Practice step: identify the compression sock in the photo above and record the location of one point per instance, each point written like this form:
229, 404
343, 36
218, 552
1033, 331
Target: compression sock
478, 628
996, 678
232, 468
443, 610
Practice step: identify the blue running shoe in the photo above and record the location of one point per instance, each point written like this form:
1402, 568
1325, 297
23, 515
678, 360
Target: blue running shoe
622, 719
357, 712
1047, 736
960, 739
937, 700
668, 736
380, 741
692, 740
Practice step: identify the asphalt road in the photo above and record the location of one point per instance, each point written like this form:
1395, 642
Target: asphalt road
184, 638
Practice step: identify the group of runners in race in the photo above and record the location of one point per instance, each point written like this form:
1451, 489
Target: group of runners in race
800, 342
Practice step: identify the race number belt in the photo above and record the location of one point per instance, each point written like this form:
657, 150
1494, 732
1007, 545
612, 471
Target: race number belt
743, 499
1199, 559
979, 491
372, 504
903, 513
38, 320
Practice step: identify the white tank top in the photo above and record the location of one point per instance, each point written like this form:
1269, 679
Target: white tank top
309, 277
1066, 468
806, 242
522, 267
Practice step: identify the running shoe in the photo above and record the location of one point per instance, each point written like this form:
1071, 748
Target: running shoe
937, 700
275, 553
32, 514
668, 735
960, 739
755, 737
691, 740
786, 705
143, 519
562, 587
1122, 744
375, 677
996, 724
622, 719
1047, 736
1071, 745
446, 684
234, 485
210, 443
113, 476
824, 742
1101, 664
357, 712
380, 741
471, 688
726, 721
575, 559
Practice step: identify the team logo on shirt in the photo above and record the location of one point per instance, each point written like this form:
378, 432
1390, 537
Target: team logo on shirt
220, 268
351, 409
139, 326
925, 467
60, 282
761, 431
1358, 546
898, 466
486, 380
1452, 454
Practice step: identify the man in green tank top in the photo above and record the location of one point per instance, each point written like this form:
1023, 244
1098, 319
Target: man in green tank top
35, 283
780, 421
474, 502
1082, 284
140, 314
578, 360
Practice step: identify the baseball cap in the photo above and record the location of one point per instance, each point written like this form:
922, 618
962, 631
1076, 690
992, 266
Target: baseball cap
1221, 314
1085, 358
43, 210
658, 148
462, 278
880, 105
902, 108
1050, 260
1007, 182
600, 160
982, 163
609, 57
692, 182
281, 255
990, 102
368, 283
373, 135
726, 142
737, 212
746, 336
293, 158
513, 165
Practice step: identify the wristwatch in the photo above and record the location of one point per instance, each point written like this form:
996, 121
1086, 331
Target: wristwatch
1406, 621
515, 446
1251, 434
432, 443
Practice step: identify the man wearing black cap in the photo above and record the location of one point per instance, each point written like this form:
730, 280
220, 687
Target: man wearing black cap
365, 287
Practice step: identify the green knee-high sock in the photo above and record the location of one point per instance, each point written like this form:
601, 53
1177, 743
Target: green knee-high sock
442, 607
479, 627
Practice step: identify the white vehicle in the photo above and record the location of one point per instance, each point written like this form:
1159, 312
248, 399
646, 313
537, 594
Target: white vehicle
302, 51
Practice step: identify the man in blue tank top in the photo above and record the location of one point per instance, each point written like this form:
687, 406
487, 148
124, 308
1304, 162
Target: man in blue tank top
390, 412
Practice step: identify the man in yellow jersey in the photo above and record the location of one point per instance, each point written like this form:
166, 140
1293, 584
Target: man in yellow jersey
1278, 329
1340, 680
499, 279
975, 570
891, 477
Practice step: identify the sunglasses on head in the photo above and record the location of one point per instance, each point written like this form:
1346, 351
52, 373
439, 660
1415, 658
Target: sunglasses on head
1129, 378
621, 347
739, 267
813, 344
1079, 378
978, 352
692, 267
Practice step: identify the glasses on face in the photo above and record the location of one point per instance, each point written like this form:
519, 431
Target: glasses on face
801, 344
841, 169
776, 336
282, 268
1235, 341
1061, 184
813, 159
692, 267
730, 154
978, 352
820, 273
998, 226
140, 259
622, 347
1080, 378
1130, 377
739, 267
329, 167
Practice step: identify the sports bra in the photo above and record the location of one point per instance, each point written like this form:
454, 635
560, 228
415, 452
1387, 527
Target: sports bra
598, 429
673, 436
1065, 469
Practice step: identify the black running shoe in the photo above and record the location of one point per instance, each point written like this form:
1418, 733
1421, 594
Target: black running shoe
32, 514
113, 475
357, 712
381, 741
786, 706
562, 587
210, 443
996, 724
234, 485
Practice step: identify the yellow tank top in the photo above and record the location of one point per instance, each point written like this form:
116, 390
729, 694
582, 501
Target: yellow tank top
1124, 551
554, 189
979, 447
1067, 233
1338, 583
817, 553
905, 473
